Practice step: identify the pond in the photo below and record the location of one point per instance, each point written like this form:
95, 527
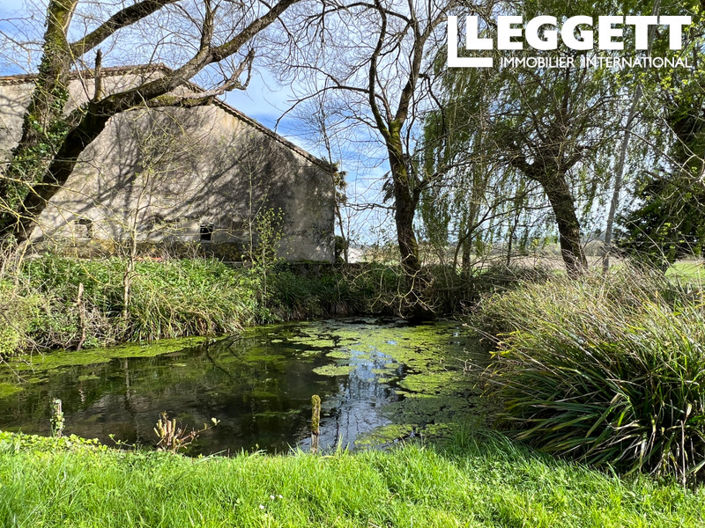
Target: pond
380, 380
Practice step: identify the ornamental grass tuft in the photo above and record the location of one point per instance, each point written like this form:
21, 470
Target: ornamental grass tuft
608, 370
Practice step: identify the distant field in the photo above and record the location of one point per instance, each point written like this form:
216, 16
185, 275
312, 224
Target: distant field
693, 270
548, 257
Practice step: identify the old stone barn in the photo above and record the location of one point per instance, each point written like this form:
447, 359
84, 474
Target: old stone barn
203, 178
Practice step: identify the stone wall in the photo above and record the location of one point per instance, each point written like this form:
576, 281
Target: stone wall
206, 175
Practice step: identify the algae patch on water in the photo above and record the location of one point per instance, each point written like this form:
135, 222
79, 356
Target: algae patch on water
7, 389
423, 365
433, 382
339, 354
334, 370
67, 358
386, 435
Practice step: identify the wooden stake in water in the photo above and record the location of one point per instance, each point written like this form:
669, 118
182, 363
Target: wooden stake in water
57, 418
315, 422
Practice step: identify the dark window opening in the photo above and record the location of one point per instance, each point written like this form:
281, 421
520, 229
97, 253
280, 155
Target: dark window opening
206, 233
89, 226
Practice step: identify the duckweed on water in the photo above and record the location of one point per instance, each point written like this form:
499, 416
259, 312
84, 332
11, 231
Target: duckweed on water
334, 370
385, 435
339, 354
69, 358
434, 389
434, 382
309, 353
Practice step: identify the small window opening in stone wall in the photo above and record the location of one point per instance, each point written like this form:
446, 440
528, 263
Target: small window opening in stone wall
88, 223
206, 232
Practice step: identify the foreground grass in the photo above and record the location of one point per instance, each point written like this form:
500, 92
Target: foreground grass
480, 481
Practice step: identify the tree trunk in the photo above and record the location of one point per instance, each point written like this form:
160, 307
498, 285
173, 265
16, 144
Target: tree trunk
465, 261
619, 169
346, 242
561, 199
406, 200
618, 179
405, 209
20, 224
43, 125
510, 237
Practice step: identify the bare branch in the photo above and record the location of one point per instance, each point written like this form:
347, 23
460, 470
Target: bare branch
123, 18
98, 74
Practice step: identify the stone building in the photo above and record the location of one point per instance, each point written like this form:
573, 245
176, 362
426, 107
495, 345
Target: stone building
205, 177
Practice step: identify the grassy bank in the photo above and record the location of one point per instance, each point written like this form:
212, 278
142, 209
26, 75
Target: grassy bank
480, 480
609, 372
51, 302
61, 302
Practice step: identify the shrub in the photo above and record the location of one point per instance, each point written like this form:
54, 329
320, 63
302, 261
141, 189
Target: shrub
316, 290
609, 371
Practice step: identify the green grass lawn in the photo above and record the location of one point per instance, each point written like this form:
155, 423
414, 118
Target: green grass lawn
480, 480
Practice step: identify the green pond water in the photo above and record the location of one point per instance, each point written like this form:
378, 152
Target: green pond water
379, 380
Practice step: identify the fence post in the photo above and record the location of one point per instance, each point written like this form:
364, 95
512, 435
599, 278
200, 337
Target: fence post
57, 418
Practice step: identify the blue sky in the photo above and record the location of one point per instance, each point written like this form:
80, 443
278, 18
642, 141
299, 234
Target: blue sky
11, 8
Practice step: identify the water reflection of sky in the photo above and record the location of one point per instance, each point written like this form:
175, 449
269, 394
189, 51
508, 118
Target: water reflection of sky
356, 408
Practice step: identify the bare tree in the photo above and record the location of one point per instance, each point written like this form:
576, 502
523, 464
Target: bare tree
54, 134
162, 151
378, 57
326, 131
622, 157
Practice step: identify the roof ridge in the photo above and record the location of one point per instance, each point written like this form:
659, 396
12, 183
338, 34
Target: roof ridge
22, 78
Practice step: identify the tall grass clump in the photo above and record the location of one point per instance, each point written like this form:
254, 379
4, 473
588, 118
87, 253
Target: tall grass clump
609, 370
17, 315
83, 301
